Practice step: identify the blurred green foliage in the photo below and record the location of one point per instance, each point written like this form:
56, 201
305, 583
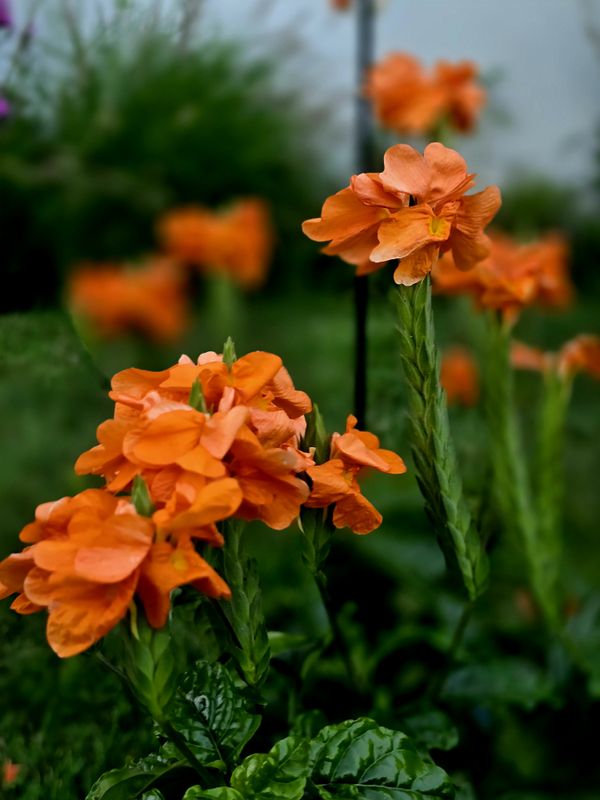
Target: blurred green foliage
98, 148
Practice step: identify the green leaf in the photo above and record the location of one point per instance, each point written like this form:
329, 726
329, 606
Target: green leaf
433, 730
280, 774
222, 793
508, 681
128, 783
212, 714
359, 759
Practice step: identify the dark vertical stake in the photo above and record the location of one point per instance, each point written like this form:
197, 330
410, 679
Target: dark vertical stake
365, 29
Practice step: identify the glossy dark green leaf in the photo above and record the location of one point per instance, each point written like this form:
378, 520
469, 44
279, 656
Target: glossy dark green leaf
360, 759
212, 714
433, 730
132, 781
222, 793
508, 681
280, 774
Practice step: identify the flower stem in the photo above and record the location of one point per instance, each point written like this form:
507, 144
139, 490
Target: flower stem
365, 42
433, 450
550, 482
511, 481
457, 637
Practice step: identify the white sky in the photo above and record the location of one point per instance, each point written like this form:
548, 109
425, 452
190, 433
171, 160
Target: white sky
548, 70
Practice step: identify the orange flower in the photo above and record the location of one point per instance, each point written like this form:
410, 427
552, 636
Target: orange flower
335, 482
92, 553
253, 421
555, 288
237, 241
513, 276
10, 773
404, 97
341, 5
459, 377
148, 300
408, 99
581, 354
412, 211
463, 96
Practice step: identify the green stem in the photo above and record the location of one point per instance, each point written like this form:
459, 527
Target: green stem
338, 635
549, 482
457, 637
433, 450
244, 611
511, 481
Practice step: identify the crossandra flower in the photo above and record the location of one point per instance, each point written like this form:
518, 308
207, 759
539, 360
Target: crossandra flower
514, 276
336, 481
408, 99
412, 211
581, 354
459, 377
246, 426
88, 556
237, 241
148, 300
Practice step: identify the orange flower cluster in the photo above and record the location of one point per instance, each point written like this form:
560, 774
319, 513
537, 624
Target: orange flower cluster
581, 354
336, 482
459, 377
413, 211
237, 242
513, 276
208, 440
410, 100
148, 299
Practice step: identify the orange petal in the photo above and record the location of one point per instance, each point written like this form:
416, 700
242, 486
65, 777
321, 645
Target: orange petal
355, 512
166, 438
343, 215
329, 483
407, 231
222, 428
168, 567
405, 171
447, 170
215, 501
252, 371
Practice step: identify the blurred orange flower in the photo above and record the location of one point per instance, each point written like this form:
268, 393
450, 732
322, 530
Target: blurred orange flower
10, 773
513, 276
410, 100
148, 299
459, 377
581, 354
89, 555
237, 241
413, 211
336, 481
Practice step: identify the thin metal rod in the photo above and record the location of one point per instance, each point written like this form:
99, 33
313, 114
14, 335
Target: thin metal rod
365, 30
